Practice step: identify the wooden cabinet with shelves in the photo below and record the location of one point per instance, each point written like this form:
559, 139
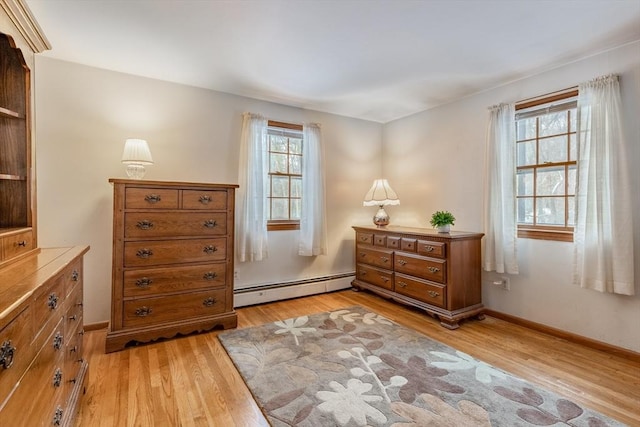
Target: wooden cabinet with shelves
437, 272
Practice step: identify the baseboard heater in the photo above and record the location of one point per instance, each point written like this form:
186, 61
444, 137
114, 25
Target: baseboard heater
293, 289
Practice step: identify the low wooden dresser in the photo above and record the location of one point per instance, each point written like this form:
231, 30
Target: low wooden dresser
172, 260
42, 367
437, 272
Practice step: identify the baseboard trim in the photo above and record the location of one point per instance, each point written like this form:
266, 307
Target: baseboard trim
96, 326
569, 336
294, 289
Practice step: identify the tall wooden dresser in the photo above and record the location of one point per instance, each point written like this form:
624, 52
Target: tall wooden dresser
437, 272
172, 260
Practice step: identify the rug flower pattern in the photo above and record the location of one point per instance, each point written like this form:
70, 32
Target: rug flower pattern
352, 367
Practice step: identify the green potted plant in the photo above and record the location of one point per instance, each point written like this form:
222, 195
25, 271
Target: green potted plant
442, 221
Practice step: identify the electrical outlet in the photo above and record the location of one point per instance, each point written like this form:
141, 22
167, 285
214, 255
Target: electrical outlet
235, 274
506, 283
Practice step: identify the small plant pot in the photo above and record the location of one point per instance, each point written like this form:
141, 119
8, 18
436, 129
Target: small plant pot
443, 228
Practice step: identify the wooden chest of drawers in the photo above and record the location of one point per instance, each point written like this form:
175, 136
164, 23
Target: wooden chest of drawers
172, 260
437, 272
42, 369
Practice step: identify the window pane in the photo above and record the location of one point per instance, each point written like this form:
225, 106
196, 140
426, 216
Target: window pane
553, 124
278, 143
553, 149
571, 220
278, 163
525, 211
573, 149
571, 184
526, 129
572, 119
279, 208
296, 187
550, 181
295, 165
280, 186
550, 211
295, 145
295, 208
525, 182
526, 152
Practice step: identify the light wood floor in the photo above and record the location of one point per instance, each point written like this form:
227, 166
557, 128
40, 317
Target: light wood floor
190, 381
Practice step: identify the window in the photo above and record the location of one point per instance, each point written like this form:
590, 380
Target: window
284, 193
546, 155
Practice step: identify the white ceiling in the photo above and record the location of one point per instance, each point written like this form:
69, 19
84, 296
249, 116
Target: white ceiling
372, 59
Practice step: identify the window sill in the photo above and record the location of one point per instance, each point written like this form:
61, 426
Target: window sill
283, 225
546, 234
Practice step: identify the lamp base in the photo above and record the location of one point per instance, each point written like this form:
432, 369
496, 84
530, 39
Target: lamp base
135, 171
381, 218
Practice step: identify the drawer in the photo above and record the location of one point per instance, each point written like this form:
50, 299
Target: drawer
72, 276
437, 249
138, 283
73, 311
393, 242
166, 224
365, 238
426, 268
49, 304
408, 245
158, 252
375, 276
431, 293
17, 244
15, 352
151, 198
377, 257
72, 360
40, 388
149, 311
204, 199
380, 240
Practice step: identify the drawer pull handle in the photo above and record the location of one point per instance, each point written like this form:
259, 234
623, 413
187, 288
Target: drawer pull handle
73, 349
363, 273
433, 294
81, 333
209, 302
75, 275
145, 224
363, 254
144, 253
402, 284
402, 262
79, 304
7, 351
152, 198
204, 199
384, 279
209, 249
210, 223
74, 317
57, 341
57, 377
143, 311
209, 275
22, 243
53, 301
429, 248
145, 282
384, 258
57, 417
433, 269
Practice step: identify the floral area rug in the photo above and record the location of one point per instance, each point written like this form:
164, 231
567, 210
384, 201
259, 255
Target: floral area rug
352, 367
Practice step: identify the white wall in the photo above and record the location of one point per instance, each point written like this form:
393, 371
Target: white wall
435, 161
84, 115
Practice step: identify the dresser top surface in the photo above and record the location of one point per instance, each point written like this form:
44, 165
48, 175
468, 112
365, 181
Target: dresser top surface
417, 231
176, 184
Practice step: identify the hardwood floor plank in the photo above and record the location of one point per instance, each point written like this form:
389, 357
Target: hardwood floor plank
190, 381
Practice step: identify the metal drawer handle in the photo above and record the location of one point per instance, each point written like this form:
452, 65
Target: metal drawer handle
363, 254
402, 262
144, 282
57, 341
143, 311
74, 317
152, 198
53, 301
204, 199
79, 304
433, 269
363, 273
209, 249
22, 243
402, 284
73, 349
433, 294
384, 279
209, 302
210, 223
209, 275
75, 275
145, 224
384, 258
57, 417
57, 377
429, 248
7, 351
144, 253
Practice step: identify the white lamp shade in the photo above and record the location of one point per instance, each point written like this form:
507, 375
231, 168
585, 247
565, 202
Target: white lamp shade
136, 151
381, 194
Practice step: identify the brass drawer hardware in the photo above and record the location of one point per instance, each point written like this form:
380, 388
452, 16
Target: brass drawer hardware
384, 279
402, 284
209, 249
57, 417
210, 223
22, 243
152, 198
145, 224
209, 275
209, 302
143, 311
73, 317
384, 259
144, 282
204, 199
57, 341
7, 352
433, 294
433, 269
57, 377
53, 301
144, 253
75, 275
429, 248
402, 262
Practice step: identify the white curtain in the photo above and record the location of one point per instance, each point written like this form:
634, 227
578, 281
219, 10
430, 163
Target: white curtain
251, 209
313, 224
500, 192
603, 235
